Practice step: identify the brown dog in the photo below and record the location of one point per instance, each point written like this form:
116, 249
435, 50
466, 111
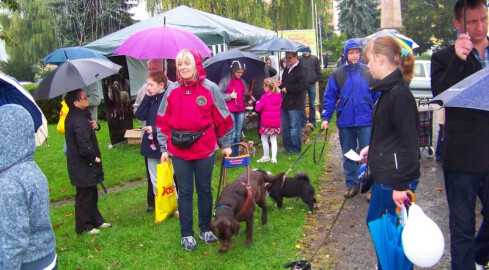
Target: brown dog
234, 206
306, 132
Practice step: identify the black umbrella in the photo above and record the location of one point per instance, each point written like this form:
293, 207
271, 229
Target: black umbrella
74, 74
280, 45
219, 66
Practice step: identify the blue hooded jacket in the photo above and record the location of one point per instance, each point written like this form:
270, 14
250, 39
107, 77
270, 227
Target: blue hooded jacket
26, 235
348, 92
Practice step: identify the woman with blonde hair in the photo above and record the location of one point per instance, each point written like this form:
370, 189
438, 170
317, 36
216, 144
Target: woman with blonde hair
193, 121
393, 152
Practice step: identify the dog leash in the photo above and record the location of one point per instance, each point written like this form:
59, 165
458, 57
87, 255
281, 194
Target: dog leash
305, 264
322, 148
304, 152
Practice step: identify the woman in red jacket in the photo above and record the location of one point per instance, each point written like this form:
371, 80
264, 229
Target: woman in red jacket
192, 123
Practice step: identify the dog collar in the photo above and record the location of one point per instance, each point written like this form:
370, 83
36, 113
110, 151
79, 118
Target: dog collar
225, 207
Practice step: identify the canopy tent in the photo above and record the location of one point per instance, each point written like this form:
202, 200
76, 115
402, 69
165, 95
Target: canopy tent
212, 29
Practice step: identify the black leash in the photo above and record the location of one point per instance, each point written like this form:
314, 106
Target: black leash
304, 152
322, 148
220, 181
301, 264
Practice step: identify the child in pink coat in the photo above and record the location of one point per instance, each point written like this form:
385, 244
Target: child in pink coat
269, 106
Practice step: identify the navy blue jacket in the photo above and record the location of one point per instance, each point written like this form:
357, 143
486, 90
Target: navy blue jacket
147, 111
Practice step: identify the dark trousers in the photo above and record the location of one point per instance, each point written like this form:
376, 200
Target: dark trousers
150, 197
439, 152
186, 171
462, 190
86, 209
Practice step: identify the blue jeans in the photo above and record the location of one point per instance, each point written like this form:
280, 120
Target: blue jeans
462, 190
353, 138
238, 119
291, 131
381, 201
311, 93
185, 172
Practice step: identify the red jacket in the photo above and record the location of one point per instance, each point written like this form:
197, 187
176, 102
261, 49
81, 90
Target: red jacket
194, 106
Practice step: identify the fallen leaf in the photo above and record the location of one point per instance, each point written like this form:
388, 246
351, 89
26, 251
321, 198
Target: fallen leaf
69, 215
64, 249
274, 244
93, 239
297, 246
63, 190
90, 256
438, 188
58, 224
97, 249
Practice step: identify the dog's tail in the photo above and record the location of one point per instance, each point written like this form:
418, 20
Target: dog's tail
302, 176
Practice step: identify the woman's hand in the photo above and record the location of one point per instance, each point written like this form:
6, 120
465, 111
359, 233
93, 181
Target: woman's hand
97, 159
233, 94
164, 157
364, 154
400, 198
324, 124
147, 129
226, 152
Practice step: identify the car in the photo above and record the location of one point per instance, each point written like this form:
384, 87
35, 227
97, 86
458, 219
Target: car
421, 82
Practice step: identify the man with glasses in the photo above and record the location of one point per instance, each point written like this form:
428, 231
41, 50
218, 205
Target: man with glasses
293, 87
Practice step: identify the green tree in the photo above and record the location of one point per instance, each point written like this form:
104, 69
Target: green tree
358, 18
30, 29
80, 22
429, 22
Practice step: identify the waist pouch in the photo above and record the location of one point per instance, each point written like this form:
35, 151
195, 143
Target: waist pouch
185, 139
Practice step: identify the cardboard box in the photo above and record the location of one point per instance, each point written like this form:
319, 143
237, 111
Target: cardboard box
133, 136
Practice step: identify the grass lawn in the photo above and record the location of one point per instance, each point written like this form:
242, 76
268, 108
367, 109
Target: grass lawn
135, 242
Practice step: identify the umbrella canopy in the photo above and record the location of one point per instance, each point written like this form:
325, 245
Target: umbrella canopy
386, 236
59, 56
161, 42
280, 45
405, 42
471, 93
11, 92
74, 74
219, 65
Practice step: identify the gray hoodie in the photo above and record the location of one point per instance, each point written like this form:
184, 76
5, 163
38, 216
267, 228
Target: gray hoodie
26, 235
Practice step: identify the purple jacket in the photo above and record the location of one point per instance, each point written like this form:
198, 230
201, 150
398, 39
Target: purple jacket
269, 106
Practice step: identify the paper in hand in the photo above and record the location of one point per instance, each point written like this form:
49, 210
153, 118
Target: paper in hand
352, 155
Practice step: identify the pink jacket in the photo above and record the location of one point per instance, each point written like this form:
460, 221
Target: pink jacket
269, 106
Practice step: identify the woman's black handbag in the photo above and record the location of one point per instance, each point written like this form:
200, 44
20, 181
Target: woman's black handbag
366, 180
185, 139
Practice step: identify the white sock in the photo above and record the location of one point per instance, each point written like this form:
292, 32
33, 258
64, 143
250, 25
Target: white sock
266, 147
273, 141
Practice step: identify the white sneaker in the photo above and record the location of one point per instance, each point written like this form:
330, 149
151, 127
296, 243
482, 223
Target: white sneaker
274, 160
105, 225
94, 231
263, 160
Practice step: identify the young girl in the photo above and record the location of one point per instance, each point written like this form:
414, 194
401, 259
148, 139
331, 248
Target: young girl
269, 106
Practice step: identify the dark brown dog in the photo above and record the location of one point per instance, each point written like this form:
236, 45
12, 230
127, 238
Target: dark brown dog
232, 207
306, 132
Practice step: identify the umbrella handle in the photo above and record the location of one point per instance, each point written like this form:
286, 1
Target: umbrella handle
413, 199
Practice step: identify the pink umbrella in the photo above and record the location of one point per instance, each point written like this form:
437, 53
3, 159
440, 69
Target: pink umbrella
161, 42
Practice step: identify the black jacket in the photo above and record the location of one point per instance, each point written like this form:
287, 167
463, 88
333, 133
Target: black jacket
295, 84
147, 111
394, 154
466, 131
82, 149
312, 68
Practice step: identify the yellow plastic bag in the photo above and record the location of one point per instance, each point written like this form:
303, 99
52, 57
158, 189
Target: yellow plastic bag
165, 199
60, 128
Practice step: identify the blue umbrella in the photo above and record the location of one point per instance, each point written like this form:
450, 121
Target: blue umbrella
11, 92
219, 65
471, 93
386, 235
60, 55
280, 45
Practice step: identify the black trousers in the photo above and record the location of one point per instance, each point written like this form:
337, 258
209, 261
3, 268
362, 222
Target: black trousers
86, 209
150, 197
